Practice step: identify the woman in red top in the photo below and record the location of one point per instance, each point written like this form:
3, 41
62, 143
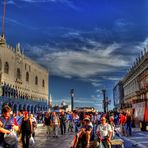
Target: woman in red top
122, 122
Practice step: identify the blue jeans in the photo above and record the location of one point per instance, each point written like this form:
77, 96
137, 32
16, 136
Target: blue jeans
129, 128
76, 127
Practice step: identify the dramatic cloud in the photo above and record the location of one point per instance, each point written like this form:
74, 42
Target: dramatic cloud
96, 65
82, 64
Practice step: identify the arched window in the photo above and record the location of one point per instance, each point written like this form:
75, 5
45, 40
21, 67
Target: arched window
27, 76
36, 80
43, 83
6, 68
0, 65
18, 75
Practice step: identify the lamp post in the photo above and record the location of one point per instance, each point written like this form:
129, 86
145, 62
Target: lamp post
104, 99
72, 97
107, 102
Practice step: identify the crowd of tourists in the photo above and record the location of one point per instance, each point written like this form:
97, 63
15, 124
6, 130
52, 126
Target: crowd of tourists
20, 127
101, 128
15, 128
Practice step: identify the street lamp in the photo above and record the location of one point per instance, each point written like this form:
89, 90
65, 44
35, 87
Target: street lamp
72, 97
104, 99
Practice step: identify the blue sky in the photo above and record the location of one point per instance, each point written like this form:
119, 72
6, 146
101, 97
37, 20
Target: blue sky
86, 44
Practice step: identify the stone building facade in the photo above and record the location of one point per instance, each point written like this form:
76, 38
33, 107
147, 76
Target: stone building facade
24, 83
135, 86
118, 95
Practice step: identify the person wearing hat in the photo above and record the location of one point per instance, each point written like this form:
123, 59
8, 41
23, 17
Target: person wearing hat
104, 133
84, 134
26, 130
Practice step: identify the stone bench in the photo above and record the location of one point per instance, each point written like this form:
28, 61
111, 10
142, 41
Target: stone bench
117, 142
114, 143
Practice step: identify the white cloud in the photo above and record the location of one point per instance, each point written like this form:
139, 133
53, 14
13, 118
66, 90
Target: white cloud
122, 25
96, 84
85, 64
67, 2
111, 78
143, 45
93, 64
11, 2
72, 34
81, 64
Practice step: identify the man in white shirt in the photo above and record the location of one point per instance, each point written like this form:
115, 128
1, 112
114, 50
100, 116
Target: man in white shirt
104, 133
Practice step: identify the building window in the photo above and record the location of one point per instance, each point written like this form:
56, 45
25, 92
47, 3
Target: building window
6, 68
25, 66
27, 76
0, 65
29, 68
18, 75
43, 83
36, 80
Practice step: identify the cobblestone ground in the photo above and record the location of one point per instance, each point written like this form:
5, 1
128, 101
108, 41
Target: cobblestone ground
41, 140
138, 139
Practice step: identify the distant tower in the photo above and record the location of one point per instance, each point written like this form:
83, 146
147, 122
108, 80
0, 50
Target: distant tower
50, 101
2, 37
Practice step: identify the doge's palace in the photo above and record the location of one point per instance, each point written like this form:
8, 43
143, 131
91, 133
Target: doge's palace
23, 82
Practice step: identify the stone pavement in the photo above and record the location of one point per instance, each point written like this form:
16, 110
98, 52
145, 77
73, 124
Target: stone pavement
41, 140
139, 139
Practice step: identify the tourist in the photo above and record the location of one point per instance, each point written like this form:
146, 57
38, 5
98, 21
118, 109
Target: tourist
128, 124
104, 133
56, 124
9, 123
112, 124
69, 121
83, 135
48, 124
2, 132
122, 123
98, 118
34, 124
26, 130
19, 117
76, 121
63, 123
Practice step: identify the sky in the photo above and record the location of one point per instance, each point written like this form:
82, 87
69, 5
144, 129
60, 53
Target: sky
87, 45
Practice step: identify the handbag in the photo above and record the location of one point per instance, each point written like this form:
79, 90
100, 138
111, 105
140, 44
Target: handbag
31, 141
11, 138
